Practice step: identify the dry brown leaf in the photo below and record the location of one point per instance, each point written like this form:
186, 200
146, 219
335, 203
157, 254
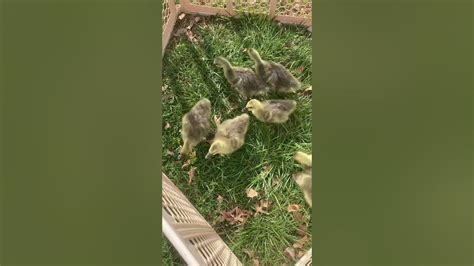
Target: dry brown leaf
297, 245
300, 254
190, 35
293, 208
181, 16
302, 229
300, 69
299, 218
259, 209
266, 204
186, 164
180, 32
191, 174
167, 125
235, 216
262, 207
290, 253
251, 193
301, 242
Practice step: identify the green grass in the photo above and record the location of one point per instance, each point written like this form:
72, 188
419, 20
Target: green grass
189, 74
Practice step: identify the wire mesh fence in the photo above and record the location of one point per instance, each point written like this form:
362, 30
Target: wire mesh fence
191, 235
285, 11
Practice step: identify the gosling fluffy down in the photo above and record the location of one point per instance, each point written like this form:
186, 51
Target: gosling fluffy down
243, 80
230, 136
271, 111
195, 125
304, 178
274, 74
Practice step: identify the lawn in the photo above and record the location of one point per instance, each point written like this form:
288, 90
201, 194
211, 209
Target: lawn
265, 162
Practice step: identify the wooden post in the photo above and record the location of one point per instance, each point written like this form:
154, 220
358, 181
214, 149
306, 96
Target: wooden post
169, 25
230, 7
272, 8
184, 5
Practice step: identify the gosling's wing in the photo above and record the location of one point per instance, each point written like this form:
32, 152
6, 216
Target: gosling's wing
267, 116
281, 105
194, 126
282, 76
245, 75
236, 127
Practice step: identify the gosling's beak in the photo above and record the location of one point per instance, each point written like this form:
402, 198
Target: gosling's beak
208, 155
245, 50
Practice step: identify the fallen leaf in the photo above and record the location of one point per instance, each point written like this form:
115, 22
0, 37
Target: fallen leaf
265, 204
300, 69
293, 208
259, 209
181, 16
167, 125
299, 218
302, 229
186, 164
290, 253
301, 242
262, 207
191, 174
170, 153
180, 32
300, 254
190, 36
297, 245
251, 193
235, 216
